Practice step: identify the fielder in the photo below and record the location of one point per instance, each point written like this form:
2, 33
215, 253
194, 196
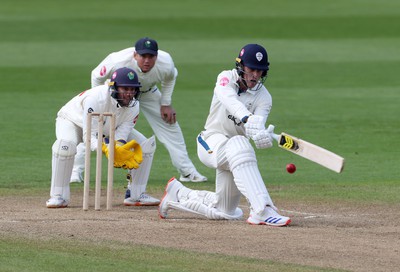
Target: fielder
239, 110
154, 67
118, 98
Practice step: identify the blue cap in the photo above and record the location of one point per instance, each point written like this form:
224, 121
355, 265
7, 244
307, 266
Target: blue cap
146, 46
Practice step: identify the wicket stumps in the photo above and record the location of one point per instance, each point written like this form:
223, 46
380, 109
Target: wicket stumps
110, 169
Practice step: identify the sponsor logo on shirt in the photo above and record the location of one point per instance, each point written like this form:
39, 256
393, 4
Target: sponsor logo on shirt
224, 81
103, 71
237, 122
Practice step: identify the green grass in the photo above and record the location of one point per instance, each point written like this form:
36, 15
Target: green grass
334, 81
32, 255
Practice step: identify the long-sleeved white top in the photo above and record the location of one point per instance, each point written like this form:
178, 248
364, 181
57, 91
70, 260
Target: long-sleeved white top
229, 106
163, 72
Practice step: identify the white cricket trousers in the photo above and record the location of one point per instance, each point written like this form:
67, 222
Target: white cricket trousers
169, 135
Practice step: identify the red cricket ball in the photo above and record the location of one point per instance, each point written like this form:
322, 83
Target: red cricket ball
291, 168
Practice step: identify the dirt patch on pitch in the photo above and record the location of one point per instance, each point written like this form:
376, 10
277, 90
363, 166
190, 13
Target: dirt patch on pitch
344, 237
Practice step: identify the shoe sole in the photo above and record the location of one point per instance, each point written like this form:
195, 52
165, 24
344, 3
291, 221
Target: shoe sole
142, 204
56, 207
267, 224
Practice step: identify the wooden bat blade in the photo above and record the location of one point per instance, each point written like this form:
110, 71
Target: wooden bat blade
311, 152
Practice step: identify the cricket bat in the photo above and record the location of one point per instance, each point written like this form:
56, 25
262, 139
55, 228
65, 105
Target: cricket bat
310, 151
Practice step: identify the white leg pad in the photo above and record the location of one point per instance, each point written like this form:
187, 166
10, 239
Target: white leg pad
62, 163
202, 203
140, 176
227, 193
243, 164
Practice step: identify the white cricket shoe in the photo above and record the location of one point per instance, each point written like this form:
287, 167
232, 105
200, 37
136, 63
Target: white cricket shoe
269, 217
193, 177
56, 202
76, 177
144, 200
170, 194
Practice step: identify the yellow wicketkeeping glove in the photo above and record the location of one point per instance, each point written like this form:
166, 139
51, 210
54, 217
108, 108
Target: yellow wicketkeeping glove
127, 155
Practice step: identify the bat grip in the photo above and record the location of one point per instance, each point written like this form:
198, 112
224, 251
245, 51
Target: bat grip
270, 129
275, 136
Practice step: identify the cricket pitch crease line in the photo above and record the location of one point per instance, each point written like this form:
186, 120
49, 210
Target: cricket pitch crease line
308, 215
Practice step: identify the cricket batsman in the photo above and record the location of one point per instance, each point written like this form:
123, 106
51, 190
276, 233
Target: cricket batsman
238, 113
118, 98
154, 67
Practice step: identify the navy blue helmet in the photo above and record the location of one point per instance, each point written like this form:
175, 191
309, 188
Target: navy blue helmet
124, 77
255, 57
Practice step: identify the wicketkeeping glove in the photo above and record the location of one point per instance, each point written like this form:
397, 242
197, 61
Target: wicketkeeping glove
127, 155
263, 139
254, 124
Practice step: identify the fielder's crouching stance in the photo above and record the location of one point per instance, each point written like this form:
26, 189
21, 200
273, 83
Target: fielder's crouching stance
118, 98
238, 112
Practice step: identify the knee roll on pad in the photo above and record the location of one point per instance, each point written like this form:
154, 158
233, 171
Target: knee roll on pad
64, 148
239, 151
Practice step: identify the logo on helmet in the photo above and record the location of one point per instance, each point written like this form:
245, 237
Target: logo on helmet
114, 75
259, 56
147, 44
131, 75
241, 52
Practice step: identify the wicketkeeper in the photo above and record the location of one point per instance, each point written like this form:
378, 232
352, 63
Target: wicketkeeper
238, 113
157, 74
119, 97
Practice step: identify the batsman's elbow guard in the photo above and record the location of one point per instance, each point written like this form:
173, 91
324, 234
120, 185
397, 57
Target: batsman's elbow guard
263, 139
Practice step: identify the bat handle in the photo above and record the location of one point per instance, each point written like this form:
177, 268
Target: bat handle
275, 136
270, 129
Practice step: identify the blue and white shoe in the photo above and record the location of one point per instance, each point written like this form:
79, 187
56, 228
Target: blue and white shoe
269, 217
143, 200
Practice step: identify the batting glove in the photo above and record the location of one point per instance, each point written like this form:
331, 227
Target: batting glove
254, 124
263, 139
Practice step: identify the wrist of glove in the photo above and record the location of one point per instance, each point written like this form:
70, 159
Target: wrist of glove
254, 124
